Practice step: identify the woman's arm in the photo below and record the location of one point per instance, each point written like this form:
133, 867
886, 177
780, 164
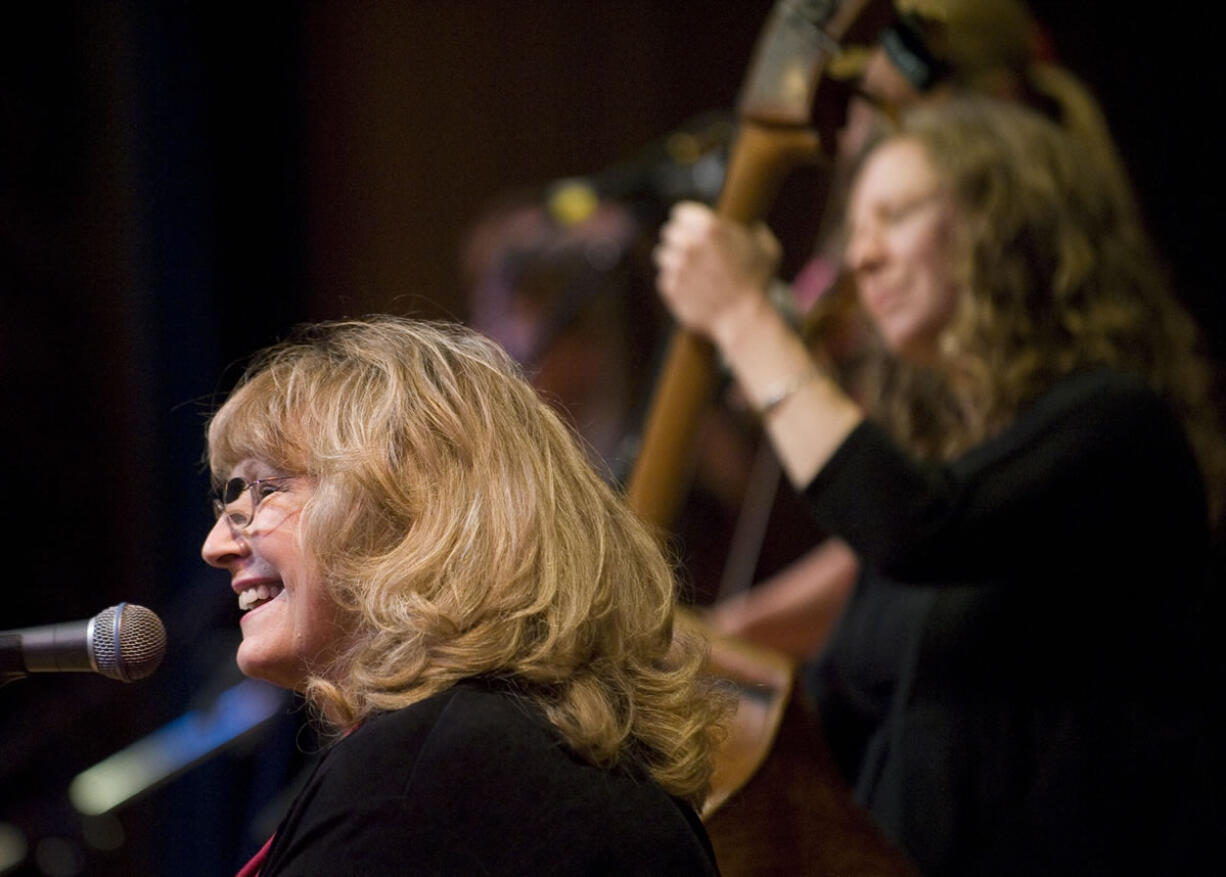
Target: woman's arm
713, 276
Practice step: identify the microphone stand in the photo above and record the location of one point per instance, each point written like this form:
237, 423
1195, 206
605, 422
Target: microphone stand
177, 746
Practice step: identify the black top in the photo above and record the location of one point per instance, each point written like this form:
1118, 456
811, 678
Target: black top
475, 781
1019, 683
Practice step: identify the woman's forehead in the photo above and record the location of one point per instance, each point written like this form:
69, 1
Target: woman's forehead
251, 468
251, 454
250, 433
898, 165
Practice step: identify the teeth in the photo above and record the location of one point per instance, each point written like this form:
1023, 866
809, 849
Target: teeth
254, 596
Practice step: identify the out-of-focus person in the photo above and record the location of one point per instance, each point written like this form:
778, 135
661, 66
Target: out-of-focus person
1020, 682
933, 51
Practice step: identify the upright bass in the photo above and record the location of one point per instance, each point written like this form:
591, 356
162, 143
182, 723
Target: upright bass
778, 805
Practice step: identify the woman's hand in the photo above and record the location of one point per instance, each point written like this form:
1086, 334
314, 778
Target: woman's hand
713, 276
712, 270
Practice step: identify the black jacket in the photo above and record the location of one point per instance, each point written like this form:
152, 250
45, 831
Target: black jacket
475, 781
1019, 684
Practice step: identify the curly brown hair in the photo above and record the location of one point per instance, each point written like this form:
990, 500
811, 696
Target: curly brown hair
1059, 276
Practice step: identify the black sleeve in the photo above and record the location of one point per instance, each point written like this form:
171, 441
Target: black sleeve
1097, 474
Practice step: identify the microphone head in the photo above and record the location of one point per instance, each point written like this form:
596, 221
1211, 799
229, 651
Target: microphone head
127, 642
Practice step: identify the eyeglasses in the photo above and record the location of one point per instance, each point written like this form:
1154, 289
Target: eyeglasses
239, 500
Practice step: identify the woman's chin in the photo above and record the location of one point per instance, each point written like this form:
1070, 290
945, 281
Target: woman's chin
253, 664
918, 348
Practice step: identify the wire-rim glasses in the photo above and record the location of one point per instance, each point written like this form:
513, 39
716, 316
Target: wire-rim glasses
238, 500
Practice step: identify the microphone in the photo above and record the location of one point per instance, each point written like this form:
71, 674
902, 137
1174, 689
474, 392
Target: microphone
123, 642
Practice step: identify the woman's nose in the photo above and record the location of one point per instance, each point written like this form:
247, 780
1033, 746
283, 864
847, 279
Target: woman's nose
864, 250
223, 544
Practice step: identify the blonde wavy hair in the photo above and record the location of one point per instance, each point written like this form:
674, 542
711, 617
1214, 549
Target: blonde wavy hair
1059, 276
461, 532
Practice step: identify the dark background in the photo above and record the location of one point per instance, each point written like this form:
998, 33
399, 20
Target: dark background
181, 182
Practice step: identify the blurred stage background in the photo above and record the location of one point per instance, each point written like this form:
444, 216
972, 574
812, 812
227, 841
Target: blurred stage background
181, 182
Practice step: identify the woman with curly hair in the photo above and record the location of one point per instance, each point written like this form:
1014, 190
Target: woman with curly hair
931, 51
420, 546
1019, 681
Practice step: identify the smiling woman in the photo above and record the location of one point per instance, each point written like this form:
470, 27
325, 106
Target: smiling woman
1020, 682
289, 625
900, 248
423, 549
